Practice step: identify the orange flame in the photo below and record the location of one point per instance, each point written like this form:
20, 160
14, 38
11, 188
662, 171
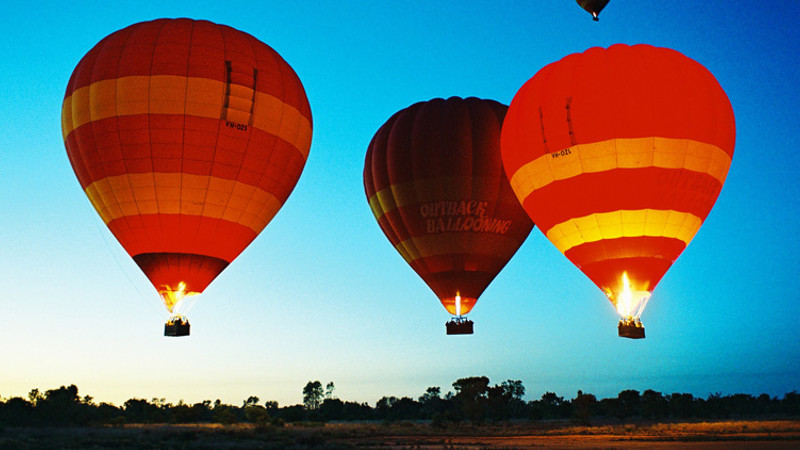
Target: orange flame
629, 303
174, 297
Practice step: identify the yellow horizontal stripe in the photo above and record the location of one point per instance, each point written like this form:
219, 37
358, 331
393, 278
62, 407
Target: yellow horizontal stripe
621, 154
426, 190
624, 223
452, 243
180, 193
170, 94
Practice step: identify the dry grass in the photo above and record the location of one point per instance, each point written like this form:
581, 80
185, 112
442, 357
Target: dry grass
540, 428
783, 433
373, 433
716, 427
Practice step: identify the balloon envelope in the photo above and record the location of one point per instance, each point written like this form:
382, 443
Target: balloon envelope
593, 7
619, 154
187, 137
435, 183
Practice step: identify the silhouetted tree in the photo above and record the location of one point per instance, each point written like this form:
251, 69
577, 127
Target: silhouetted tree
430, 394
654, 405
34, 396
715, 406
474, 399
682, 405
471, 397
331, 409
606, 407
61, 406
583, 408
294, 413
765, 404
628, 403
252, 400
514, 391
173, 413
393, 408
256, 414
514, 388
383, 406
432, 404
140, 411
329, 390
505, 400
224, 414
790, 404
552, 406
271, 405
201, 411
405, 408
17, 411
108, 413
357, 411
312, 395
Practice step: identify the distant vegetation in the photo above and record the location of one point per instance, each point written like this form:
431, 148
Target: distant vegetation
472, 400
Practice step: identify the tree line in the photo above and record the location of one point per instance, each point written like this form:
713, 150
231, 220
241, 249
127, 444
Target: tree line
472, 399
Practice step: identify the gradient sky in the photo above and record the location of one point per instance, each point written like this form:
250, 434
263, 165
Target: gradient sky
321, 294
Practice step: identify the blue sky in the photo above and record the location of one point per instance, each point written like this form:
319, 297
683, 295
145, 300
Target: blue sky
321, 294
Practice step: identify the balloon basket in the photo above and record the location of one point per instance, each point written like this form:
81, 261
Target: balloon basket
631, 329
459, 325
176, 326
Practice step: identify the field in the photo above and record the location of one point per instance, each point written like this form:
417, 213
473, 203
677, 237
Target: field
523, 435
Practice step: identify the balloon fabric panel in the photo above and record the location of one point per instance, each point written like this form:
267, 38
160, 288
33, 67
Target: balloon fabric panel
434, 181
619, 154
187, 137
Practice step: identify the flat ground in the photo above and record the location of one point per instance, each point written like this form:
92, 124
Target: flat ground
784, 434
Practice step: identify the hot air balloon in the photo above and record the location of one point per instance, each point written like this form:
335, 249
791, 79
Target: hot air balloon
435, 183
593, 7
619, 154
187, 137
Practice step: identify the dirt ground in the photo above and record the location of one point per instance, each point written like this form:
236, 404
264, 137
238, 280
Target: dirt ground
564, 435
580, 442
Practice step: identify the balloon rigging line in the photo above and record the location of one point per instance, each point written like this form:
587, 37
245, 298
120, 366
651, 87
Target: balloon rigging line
94, 217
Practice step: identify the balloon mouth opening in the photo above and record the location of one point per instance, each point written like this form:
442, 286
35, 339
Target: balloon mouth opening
178, 300
629, 301
458, 305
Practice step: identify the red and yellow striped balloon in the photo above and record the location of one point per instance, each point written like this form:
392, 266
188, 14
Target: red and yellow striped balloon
435, 183
618, 155
187, 137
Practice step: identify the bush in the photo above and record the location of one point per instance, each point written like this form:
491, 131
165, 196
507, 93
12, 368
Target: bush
256, 414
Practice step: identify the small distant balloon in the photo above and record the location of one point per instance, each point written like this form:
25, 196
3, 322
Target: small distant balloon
187, 137
593, 7
435, 183
619, 155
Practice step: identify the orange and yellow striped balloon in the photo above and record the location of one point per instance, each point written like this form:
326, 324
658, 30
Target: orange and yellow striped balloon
618, 155
187, 137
